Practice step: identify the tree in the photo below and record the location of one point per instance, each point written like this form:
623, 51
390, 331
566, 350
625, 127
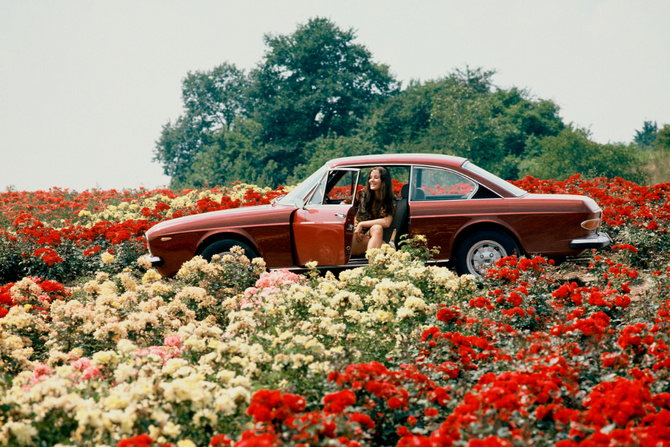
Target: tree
215, 98
235, 155
658, 159
404, 119
646, 137
317, 94
316, 82
213, 102
465, 114
572, 151
662, 142
176, 148
324, 149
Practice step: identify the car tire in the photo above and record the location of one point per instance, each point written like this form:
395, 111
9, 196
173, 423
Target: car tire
480, 251
223, 247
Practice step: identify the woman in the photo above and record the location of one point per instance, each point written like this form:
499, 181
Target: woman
375, 211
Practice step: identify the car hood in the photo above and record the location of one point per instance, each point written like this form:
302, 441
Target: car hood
234, 217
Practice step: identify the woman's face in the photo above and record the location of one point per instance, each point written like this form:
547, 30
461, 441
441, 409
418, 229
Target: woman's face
375, 180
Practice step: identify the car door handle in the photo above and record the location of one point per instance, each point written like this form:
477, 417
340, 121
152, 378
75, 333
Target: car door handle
340, 215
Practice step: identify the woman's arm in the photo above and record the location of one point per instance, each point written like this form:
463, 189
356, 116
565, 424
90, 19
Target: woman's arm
385, 222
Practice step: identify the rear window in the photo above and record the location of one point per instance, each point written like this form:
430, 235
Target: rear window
518, 192
438, 184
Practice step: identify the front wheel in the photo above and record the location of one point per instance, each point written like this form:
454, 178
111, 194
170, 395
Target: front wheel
480, 251
223, 247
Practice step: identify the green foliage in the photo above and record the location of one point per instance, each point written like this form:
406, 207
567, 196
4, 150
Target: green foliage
317, 94
571, 151
314, 82
646, 137
465, 114
235, 155
404, 119
212, 102
662, 142
657, 160
311, 84
319, 151
176, 148
214, 99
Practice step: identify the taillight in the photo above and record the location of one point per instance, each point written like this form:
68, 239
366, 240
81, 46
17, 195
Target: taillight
591, 224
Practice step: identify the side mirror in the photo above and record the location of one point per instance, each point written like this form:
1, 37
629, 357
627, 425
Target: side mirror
300, 204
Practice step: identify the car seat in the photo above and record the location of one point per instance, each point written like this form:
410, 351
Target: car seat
399, 222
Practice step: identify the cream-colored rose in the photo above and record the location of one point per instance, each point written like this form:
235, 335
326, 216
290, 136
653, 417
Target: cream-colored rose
151, 276
24, 432
143, 262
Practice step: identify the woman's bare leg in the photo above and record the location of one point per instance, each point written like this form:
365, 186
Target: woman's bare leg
372, 239
376, 236
359, 247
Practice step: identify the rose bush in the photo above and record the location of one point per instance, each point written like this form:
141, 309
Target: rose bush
97, 349
62, 235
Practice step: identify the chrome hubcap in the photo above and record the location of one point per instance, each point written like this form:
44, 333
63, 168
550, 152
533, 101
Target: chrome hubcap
483, 256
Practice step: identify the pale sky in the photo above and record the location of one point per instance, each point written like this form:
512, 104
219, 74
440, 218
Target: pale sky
85, 86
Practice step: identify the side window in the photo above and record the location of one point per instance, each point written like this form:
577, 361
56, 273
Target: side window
437, 184
399, 178
342, 188
335, 188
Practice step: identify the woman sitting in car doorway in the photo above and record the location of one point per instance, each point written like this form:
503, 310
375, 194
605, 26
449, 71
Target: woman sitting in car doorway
375, 211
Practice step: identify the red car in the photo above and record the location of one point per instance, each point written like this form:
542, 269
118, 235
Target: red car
473, 216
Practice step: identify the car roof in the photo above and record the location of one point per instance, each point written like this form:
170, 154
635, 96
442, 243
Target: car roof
395, 159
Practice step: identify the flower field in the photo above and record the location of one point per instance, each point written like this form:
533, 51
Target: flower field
97, 349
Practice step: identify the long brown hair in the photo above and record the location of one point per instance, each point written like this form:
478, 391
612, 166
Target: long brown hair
374, 204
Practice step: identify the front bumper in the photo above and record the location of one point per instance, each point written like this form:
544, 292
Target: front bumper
598, 240
156, 261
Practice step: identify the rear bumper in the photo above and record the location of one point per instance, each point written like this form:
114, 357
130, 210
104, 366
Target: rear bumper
598, 240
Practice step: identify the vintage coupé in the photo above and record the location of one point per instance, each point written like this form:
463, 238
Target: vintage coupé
474, 217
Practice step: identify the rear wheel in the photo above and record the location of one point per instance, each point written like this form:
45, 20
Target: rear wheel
480, 251
223, 247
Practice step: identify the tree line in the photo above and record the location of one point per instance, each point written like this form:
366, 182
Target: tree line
317, 94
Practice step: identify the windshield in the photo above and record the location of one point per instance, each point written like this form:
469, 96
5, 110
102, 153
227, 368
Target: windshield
301, 191
518, 192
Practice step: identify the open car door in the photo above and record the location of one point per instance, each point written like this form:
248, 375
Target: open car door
323, 228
